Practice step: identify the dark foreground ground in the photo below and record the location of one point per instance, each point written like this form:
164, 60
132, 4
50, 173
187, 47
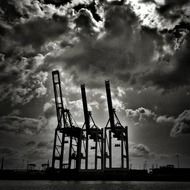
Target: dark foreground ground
161, 174
91, 185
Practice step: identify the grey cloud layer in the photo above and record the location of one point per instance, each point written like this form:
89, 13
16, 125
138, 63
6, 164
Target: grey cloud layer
179, 125
182, 124
114, 46
139, 150
25, 27
20, 125
126, 52
122, 51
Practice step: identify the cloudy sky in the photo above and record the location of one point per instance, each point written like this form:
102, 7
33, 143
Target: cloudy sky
141, 46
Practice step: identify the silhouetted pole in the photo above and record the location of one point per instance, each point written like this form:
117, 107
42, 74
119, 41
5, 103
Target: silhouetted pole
102, 149
78, 158
85, 107
110, 107
96, 151
127, 148
2, 163
122, 155
87, 121
111, 119
70, 152
110, 149
177, 156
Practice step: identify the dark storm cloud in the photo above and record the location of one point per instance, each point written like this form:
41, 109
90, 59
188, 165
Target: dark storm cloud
85, 22
57, 3
33, 33
172, 74
92, 7
26, 26
171, 9
36, 155
22, 80
168, 2
37, 32
5, 151
182, 124
49, 109
21, 125
118, 52
44, 145
122, 49
37, 23
13, 10
176, 2
30, 143
9, 10
125, 52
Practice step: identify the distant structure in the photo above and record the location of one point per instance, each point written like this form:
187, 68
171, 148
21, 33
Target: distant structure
177, 156
31, 166
72, 144
45, 166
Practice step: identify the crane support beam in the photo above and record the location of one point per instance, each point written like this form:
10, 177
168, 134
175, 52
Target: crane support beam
109, 102
85, 107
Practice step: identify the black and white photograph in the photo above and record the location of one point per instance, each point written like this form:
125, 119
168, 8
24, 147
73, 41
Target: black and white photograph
94, 94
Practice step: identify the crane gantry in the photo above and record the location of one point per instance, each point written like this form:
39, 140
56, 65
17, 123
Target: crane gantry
72, 143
